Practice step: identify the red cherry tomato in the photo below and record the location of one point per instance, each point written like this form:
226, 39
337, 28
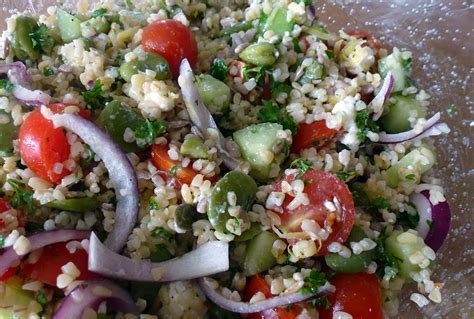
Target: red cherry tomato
48, 267
6, 213
258, 284
357, 294
321, 187
42, 146
315, 134
371, 41
172, 40
8, 274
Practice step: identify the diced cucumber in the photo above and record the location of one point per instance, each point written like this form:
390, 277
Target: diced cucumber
256, 144
194, 147
399, 64
278, 22
215, 94
401, 108
315, 71
69, 25
79, 205
245, 190
7, 313
259, 255
8, 132
355, 263
14, 295
418, 161
321, 32
403, 249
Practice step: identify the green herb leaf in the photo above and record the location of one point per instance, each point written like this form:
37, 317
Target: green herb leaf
219, 70
306, 2
153, 204
296, 45
273, 114
48, 71
129, 4
345, 176
41, 298
40, 38
173, 171
430, 223
303, 165
410, 177
22, 197
94, 97
161, 232
98, 13
280, 87
148, 131
2, 241
87, 161
330, 54
313, 282
256, 73
408, 221
6, 86
321, 302
386, 262
364, 123
452, 109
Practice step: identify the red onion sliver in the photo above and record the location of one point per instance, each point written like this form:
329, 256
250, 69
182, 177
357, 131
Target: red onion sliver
386, 138
208, 259
90, 294
246, 307
9, 256
121, 173
382, 96
438, 215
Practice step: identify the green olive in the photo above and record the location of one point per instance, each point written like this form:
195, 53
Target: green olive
245, 190
262, 54
154, 62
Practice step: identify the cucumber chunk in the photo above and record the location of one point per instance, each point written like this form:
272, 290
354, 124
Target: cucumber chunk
399, 64
69, 25
14, 295
8, 132
417, 161
257, 143
79, 205
259, 255
401, 108
245, 190
215, 94
403, 248
278, 22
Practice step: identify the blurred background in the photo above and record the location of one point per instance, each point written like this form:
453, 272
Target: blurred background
441, 36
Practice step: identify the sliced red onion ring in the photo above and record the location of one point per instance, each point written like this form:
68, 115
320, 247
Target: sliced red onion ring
90, 294
210, 258
120, 170
439, 216
199, 114
430, 129
246, 307
9, 256
17, 75
382, 96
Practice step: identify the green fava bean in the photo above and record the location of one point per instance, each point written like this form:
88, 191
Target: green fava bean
244, 188
262, 54
115, 118
215, 94
185, 216
8, 132
23, 45
355, 263
154, 62
79, 205
194, 147
250, 233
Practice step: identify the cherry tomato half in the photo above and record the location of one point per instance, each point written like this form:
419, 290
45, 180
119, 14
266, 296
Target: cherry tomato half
53, 257
42, 145
357, 294
315, 134
321, 187
258, 284
173, 41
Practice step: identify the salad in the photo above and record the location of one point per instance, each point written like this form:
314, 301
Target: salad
218, 159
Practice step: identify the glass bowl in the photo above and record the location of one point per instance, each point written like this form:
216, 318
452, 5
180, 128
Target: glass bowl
441, 36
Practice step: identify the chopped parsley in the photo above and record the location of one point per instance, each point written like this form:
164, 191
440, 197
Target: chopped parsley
219, 70
94, 97
377, 204
452, 109
364, 123
386, 261
41, 298
430, 223
345, 176
410, 177
306, 2
86, 161
6, 86
173, 171
321, 302
99, 13
408, 221
256, 73
153, 204
129, 4
280, 87
147, 132
313, 282
330, 54
48, 71
2, 241
22, 197
40, 38
296, 45
303, 165
274, 114
161, 232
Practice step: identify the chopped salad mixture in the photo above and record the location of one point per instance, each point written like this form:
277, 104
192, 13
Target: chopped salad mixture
217, 159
